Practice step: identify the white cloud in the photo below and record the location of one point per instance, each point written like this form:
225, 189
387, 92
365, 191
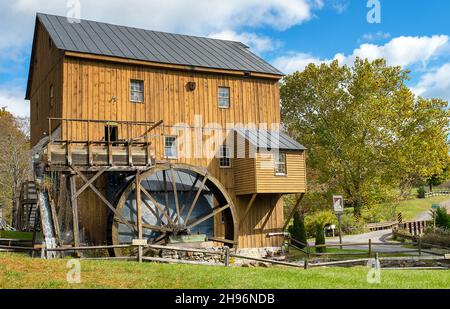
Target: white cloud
435, 84
296, 62
403, 51
13, 100
257, 43
340, 6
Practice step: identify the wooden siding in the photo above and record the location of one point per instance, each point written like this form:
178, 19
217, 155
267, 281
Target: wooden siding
293, 182
47, 71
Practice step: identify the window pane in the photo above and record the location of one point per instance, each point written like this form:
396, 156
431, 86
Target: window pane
224, 156
170, 147
137, 91
280, 163
224, 97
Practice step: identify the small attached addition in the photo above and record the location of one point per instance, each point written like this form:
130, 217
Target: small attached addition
268, 162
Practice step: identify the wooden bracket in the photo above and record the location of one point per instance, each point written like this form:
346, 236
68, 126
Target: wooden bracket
288, 219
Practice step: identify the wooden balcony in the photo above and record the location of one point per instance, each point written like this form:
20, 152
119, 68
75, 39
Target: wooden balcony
66, 149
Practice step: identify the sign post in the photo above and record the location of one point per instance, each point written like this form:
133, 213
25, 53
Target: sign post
338, 207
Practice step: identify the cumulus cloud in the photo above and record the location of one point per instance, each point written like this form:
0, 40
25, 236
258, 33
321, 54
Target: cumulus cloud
257, 43
403, 51
435, 83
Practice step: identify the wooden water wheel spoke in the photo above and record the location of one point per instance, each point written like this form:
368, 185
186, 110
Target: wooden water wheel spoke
175, 194
157, 205
201, 220
144, 225
188, 196
166, 194
197, 196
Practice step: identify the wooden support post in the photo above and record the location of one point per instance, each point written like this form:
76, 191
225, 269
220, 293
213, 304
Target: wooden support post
74, 200
247, 210
288, 219
139, 213
370, 248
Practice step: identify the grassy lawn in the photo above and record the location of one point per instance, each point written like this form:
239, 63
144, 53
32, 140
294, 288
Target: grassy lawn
17, 271
412, 208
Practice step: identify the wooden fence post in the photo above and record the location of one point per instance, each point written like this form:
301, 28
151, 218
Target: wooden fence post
370, 248
227, 256
419, 245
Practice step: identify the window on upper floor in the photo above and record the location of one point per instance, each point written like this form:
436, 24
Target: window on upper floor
170, 147
224, 97
224, 157
280, 163
136, 91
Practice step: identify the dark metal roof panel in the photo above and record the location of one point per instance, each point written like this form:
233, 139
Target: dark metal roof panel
126, 42
270, 139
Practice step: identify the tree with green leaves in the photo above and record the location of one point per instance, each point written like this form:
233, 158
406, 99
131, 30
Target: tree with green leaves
364, 129
298, 231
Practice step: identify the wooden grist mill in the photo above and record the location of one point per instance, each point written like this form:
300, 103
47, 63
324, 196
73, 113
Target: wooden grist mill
120, 121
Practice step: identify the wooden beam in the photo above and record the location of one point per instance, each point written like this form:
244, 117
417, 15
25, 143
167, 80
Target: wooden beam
91, 181
167, 206
215, 212
288, 219
139, 212
101, 196
74, 201
247, 210
197, 196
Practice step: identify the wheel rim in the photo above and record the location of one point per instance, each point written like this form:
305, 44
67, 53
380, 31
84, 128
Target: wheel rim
175, 200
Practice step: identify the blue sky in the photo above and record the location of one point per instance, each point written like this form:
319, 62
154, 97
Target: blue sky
287, 33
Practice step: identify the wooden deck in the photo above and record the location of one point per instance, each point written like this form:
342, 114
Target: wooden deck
99, 154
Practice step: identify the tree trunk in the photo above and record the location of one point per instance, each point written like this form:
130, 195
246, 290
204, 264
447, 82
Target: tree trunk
431, 187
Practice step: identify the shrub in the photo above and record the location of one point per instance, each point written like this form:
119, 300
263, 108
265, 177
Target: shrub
315, 224
320, 239
297, 230
350, 225
421, 192
439, 237
442, 218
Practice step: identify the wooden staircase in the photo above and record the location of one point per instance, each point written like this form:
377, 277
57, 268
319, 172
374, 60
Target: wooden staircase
28, 213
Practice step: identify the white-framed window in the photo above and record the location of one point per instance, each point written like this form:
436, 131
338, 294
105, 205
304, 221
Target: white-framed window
224, 97
224, 157
280, 163
137, 91
170, 147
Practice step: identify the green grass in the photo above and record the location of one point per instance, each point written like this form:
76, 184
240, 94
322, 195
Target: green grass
17, 271
412, 208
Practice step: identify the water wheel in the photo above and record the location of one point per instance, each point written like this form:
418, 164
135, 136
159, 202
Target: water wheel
176, 200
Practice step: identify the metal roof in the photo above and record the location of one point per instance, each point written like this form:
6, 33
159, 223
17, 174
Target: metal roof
264, 139
125, 42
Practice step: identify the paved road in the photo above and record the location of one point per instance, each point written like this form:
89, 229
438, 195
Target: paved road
424, 216
376, 237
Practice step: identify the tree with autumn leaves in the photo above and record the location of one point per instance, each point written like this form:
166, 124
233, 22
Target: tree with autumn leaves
15, 164
367, 134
